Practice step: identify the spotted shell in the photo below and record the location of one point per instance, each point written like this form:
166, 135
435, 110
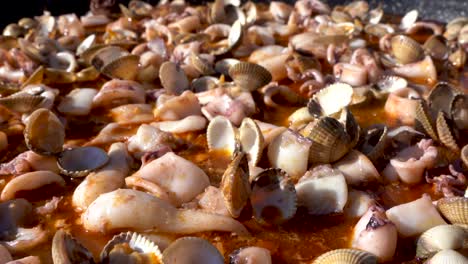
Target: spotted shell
346, 256
273, 198
455, 209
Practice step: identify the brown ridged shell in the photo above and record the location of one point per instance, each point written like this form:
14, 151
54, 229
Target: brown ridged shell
436, 46
406, 50
424, 119
455, 209
235, 185
249, 76
24, 103
173, 78
330, 141
445, 133
201, 65
44, 133
464, 155
125, 68
346, 256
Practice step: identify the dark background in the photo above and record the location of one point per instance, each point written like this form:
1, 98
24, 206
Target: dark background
440, 10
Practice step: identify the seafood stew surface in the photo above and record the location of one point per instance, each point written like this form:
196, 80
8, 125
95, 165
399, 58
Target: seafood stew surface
233, 133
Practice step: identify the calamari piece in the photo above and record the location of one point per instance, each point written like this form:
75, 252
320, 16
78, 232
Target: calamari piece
358, 203
180, 177
276, 65
401, 105
322, 190
251, 255
333, 98
26, 260
139, 211
30, 181
130, 114
355, 75
27, 239
290, 152
357, 169
70, 25
415, 217
212, 201
422, 71
374, 233
226, 106
119, 92
106, 179
111, 133
410, 163
149, 139
188, 124
177, 107
29, 161
78, 102
5, 256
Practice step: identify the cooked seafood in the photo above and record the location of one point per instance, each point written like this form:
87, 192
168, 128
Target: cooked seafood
280, 133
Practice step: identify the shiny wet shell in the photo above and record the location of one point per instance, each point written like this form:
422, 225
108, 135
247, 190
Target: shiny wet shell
406, 50
273, 198
79, 162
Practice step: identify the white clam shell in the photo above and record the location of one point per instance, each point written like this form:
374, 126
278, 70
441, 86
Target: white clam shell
221, 135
